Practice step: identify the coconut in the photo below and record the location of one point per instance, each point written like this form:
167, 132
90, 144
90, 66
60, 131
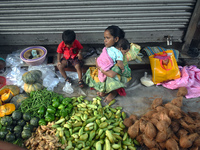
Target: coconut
197, 141
177, 101
133, 130
187, 141
148, 142
161, 136
133, 117
150, 130
175, 126
162, 109
164, 117
143, 124
181, 133
171, 144
156, 102
128, 122
182, 91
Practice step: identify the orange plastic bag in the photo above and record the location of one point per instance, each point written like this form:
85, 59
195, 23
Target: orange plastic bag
164, 67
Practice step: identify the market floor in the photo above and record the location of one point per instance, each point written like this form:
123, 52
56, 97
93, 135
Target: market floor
139, 97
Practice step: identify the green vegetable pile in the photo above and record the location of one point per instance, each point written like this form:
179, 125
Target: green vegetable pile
17, 127
92, 126
60, 108
36, 100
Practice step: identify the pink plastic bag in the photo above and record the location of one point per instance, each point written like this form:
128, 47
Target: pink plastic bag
190, 78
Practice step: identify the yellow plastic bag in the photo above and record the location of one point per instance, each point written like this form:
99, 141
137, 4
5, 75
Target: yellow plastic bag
164, 69
132, 54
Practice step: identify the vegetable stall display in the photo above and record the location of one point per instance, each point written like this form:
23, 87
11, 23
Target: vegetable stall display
88, 126
45, 117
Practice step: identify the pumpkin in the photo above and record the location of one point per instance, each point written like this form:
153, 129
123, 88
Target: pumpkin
17, 100
6, 121
8, 91
27, 116
32, 87
16, 115
32, 76
6, 109
10, 137
26, 134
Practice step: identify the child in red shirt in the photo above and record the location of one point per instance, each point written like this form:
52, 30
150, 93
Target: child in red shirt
69, 54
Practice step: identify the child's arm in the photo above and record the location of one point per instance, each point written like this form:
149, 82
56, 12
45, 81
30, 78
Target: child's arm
121, 65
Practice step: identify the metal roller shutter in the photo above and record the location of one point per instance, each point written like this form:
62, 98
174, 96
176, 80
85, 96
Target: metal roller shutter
41, 22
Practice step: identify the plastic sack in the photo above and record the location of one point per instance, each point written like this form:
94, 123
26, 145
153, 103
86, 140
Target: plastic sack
50, 82
68, 88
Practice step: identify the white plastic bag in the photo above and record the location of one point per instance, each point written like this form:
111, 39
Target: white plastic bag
146, 80
68, 88
50, 82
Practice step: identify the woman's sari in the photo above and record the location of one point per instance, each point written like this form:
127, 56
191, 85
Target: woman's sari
91, 78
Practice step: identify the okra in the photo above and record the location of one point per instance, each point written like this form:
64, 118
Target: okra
76, 129
107, 144
113, 109
80, 132
100, 132
125, 136
90, 120
123, 115
84, 137
116, 146
86, 148
60, 121
110, 136
89, 124
117, 136
103, 125
92, 135
131, 147
117, 129
103, 135
98, 122
112, 102
77, 124
98, 145
91, 106
136, 142
126, 143
121, 124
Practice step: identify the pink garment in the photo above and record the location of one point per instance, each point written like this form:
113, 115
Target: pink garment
105, 62
190, 78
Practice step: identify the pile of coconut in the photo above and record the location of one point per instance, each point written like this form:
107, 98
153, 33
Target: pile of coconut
166, 126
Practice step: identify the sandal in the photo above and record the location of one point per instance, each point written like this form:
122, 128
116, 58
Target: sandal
68, 79
81, 83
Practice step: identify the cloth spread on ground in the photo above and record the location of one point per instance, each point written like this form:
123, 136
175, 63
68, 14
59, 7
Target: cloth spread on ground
190, 78
105, 62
